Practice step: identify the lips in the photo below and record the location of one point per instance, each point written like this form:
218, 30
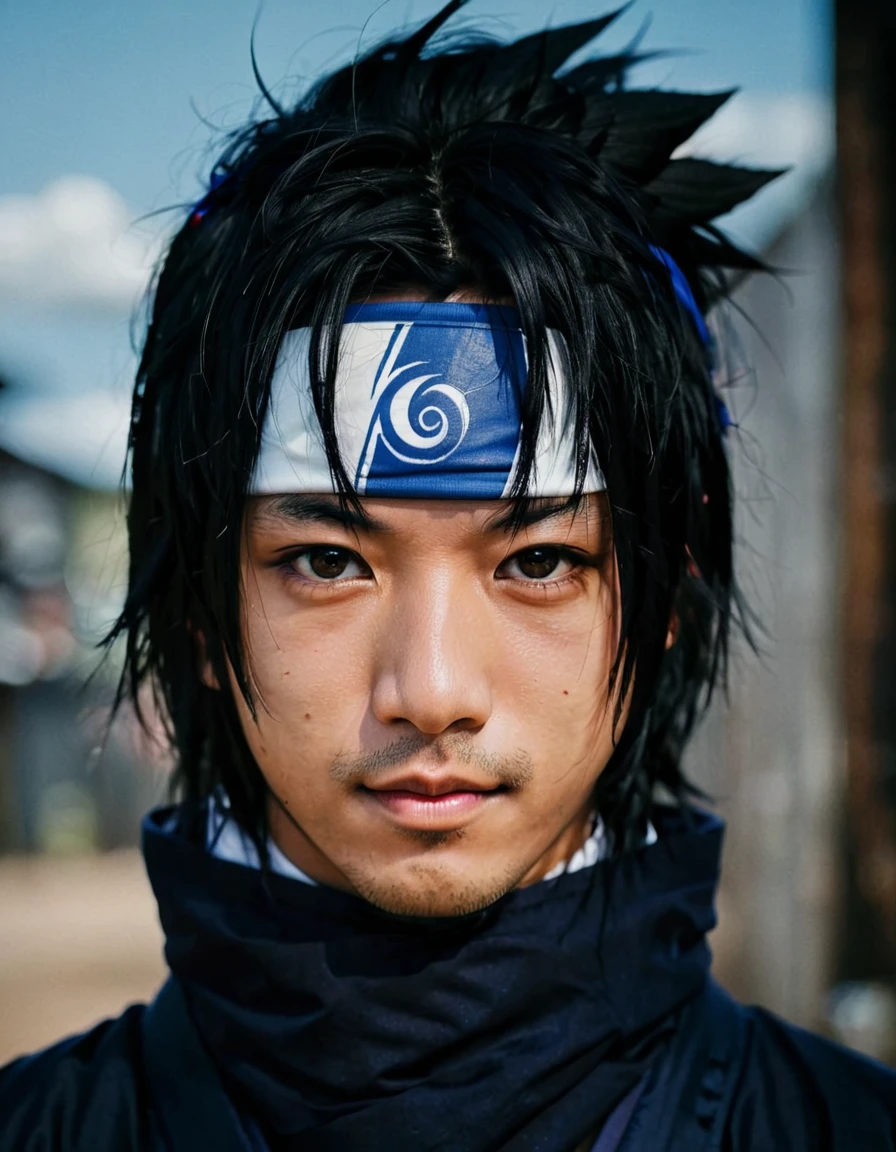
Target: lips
432, 802
432, 786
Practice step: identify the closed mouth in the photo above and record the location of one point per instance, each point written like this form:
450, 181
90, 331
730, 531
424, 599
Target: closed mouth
425, 787
434, 803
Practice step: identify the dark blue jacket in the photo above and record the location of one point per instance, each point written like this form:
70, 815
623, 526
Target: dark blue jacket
733, 1080
198, 1068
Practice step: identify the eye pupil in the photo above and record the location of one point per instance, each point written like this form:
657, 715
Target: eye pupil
328, 563
538, 563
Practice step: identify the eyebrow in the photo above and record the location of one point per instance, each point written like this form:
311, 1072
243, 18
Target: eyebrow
310, 509
322, 510
536, 511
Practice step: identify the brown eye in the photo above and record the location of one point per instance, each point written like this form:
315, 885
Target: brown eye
538, 563
329, 564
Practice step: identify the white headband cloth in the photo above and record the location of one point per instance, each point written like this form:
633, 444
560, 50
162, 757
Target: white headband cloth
428, 404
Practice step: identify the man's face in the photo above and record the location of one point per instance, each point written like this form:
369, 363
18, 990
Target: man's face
433, 700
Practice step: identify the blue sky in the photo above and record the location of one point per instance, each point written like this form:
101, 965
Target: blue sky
106, 86
114, 93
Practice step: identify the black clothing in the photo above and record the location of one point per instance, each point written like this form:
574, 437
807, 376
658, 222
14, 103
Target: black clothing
301, 1018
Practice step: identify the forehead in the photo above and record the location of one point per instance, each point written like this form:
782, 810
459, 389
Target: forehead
399, 516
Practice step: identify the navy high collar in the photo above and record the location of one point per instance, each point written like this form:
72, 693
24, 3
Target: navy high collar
519, 1027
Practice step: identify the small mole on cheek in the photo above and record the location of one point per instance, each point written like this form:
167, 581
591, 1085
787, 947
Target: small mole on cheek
307, 715
565, 692
286, 673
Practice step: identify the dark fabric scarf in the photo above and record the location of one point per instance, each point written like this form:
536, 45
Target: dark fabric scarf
335, 1026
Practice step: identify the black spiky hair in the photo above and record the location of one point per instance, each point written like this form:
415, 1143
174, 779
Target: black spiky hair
470, 164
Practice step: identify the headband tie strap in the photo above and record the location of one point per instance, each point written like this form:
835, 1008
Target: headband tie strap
684, 294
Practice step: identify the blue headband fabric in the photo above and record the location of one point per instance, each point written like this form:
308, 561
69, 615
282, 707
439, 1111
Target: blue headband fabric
428, 404
684, 294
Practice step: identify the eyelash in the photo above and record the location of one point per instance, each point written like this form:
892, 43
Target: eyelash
579, 561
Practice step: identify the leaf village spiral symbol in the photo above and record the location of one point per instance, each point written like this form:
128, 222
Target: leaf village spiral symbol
418, 418
422, 424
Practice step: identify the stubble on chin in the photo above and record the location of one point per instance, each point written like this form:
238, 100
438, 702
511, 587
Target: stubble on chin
430, 837
430, 889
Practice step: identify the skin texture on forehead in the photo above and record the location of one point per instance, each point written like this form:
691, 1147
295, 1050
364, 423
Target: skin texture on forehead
431, 648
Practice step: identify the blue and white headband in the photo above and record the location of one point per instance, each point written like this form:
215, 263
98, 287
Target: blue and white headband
428, 403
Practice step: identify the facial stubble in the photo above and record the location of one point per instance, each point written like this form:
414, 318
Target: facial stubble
428, 894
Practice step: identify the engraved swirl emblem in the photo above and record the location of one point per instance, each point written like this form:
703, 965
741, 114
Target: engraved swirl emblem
420, 422
417, 417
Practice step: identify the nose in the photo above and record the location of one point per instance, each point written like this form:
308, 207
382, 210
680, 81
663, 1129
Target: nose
433, 657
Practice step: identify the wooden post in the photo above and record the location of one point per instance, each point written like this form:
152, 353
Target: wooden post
866, 138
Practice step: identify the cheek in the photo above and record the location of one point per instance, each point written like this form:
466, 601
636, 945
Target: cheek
563, 658
556, 687
309, 674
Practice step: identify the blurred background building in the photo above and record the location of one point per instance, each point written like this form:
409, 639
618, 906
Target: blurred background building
800, 759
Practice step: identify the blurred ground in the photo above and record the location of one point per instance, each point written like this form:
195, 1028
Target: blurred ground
81, 940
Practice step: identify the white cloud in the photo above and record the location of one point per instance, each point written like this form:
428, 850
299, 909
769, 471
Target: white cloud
794, 131
82, 436
74, 244
768, 129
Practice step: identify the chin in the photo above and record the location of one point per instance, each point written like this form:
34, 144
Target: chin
430, 891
